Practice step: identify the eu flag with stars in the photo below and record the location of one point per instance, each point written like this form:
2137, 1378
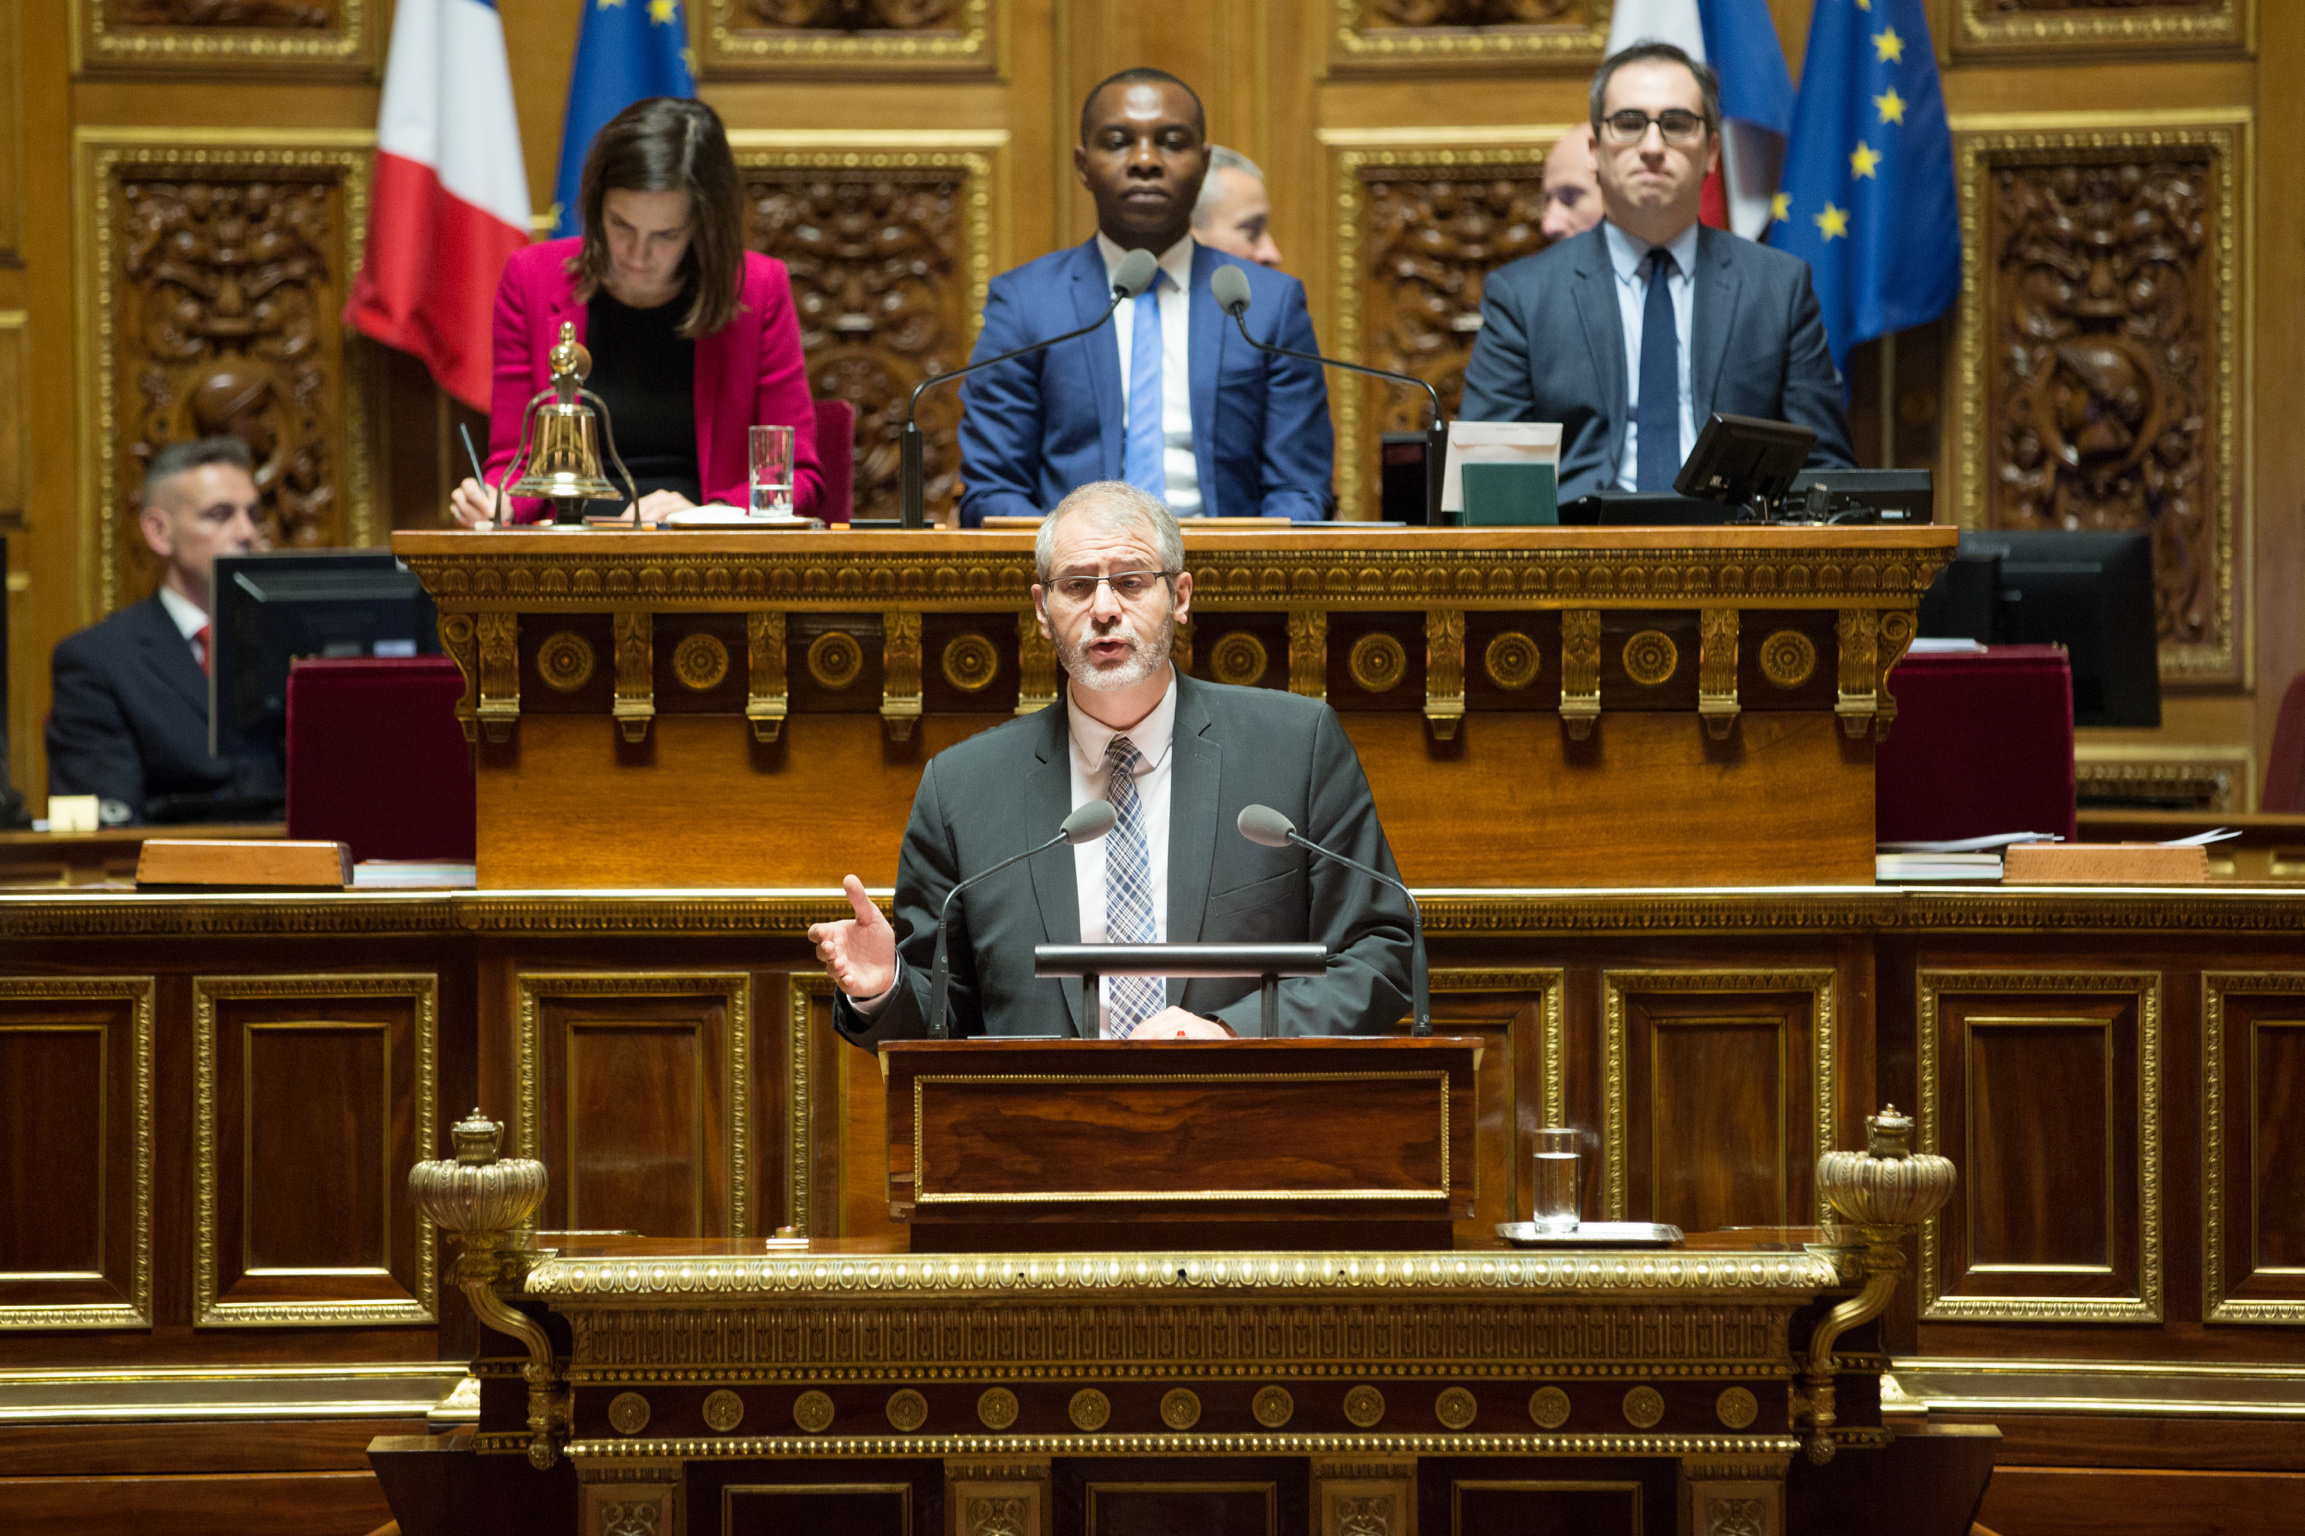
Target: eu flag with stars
629, 50
1867, 196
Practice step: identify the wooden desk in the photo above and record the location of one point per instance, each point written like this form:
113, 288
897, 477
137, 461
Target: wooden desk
41, 860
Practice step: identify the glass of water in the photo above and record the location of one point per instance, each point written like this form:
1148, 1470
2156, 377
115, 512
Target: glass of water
771, 472
1556, 1181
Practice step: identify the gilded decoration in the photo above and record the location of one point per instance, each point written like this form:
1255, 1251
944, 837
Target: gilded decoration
219, 262
1444, 671
723, 1411
292, 36
2041, 989
1788, 659
805, 992
2194, 777
565, 661
213, 1305
996, 1408
835, 660
766, 697
888, 240
812, 1411
900, 705
1238, 658
2152, 27
1180, 1408
1737, 1408
1035, 664
2231, 1137
1377, 663
132, 1304
907, 1410
628, 1413
1090, 1410
1273, 1407
497, 639
770, 37
1308, 652
1364, 1407
1651, 658
1456, 1408
1512, 660
1379, 33
1644, 1407
2103, 346
1549, 1407
700, 662
1580, 671
970, 663
635, 702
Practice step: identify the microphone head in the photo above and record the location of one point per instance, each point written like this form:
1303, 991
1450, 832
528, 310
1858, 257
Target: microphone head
1137, 271
1263, 824
1088, 822
1229, 286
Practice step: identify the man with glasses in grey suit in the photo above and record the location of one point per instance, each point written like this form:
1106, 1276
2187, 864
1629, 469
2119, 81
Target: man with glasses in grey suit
1178, 759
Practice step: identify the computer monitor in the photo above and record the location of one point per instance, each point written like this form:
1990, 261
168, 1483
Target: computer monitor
2091, 593
274, 610
1744, 459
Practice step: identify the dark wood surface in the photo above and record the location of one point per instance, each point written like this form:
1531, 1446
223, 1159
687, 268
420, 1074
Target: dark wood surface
2072, 1501
210, 1504
50, 860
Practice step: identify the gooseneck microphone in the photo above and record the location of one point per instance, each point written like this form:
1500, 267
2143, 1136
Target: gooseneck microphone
1263, 824
1136, 273
1229, 286
1086, 824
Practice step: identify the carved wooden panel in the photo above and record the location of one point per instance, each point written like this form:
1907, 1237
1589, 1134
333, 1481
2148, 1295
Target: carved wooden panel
997, 1498
632, 1092
2101, 340
315, 1095
299, 36
1418, 230
1411, 33
889, 253
2057, 1214
772, 36
1718, 1091
1518, 1014
2156, 26
76, 1183
2253, 1146
219, 271
1364, 1498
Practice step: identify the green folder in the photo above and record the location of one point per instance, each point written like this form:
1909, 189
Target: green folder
1503, 495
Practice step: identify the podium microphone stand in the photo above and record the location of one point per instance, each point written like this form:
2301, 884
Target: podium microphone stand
1267, 963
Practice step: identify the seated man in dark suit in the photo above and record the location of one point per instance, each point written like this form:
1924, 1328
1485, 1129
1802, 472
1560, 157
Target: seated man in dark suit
1632, 335
1167, 396
1179, 759
128, 719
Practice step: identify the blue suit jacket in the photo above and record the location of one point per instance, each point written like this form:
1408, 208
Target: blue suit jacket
1034, 429
1552, 348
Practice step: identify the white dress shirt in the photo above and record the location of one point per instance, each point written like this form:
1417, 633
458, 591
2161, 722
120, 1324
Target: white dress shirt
1182, 469
1628, 256
1153, 736
189, 616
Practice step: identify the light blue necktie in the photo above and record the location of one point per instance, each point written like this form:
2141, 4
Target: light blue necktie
1128, 909
1146, 464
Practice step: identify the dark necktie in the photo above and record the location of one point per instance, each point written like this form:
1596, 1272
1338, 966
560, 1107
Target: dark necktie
1660, 418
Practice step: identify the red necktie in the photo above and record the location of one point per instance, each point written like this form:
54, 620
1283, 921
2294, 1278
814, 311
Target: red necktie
200, 644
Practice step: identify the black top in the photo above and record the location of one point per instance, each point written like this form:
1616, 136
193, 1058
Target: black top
646, 373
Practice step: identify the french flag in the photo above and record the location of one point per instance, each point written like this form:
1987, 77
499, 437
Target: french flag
449, 202
1739, 40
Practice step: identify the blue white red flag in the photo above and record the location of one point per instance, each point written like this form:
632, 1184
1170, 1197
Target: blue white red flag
628, 51
1739, 40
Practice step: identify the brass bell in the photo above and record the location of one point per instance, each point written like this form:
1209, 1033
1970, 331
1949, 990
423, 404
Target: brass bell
562, 435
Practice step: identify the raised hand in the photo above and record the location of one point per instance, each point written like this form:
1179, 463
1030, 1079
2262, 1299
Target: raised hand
859, 953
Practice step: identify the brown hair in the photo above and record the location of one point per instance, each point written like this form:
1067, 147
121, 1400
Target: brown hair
669, 144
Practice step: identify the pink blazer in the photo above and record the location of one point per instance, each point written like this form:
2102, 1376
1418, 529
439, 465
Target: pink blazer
749, 372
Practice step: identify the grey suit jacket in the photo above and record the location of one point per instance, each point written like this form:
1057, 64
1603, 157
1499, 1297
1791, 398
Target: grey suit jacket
1552, 348
1006, 789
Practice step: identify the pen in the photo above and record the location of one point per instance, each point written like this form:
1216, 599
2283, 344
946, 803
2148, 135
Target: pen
473, 454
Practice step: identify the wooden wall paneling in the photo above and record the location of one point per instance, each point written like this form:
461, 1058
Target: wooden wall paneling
633, 1087
76, 1206
315, 1094
1719, 1093
857, 1176
1521, 1085
889, 235
218, 264
1394, 35
2253, 1146
1985, 30
917, 40
300, 39
2057, 1216
2103, 347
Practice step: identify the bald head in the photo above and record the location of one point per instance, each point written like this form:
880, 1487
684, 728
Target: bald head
1572, 185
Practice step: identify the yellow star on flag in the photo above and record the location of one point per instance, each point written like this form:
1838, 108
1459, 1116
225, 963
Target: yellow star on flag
1863, 159
1781, 206
663, 12
1891, 104
1834, 221
1864, 5
1889, 45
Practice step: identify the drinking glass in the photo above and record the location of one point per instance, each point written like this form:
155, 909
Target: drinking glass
771, 471
1556, 1180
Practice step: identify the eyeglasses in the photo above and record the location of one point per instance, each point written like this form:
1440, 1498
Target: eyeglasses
1128, 586
1632, 125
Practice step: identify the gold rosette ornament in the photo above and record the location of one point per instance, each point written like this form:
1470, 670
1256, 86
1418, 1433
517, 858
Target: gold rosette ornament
483, 1200
1879, 1195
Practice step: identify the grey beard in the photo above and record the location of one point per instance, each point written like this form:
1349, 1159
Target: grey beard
1142, 663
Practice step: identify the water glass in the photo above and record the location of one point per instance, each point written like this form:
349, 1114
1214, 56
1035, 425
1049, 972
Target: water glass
771, 471
1556, 1180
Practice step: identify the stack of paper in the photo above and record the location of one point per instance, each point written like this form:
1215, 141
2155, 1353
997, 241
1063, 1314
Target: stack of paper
1954, 858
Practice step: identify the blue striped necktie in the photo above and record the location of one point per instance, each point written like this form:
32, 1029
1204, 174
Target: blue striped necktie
1146, 464
1660, 417
1129, 1000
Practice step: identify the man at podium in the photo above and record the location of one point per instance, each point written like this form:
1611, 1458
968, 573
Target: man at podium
1178, 759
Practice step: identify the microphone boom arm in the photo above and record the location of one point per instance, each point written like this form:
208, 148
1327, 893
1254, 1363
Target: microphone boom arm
1420, 1000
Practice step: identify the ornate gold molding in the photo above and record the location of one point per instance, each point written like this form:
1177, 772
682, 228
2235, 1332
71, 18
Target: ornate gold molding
900, 672
2219, 1304
1982, 28
1445, 671
134, 1310
1355, 45
803, 990
1550, 988
1937, 1304
735, 51
766, 690
597, 1452
102, 43
211, 1308
2210, 777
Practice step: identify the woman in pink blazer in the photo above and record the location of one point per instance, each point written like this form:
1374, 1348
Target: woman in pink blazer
694, 339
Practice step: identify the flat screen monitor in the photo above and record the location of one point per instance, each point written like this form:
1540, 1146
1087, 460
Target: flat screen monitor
1744, 459
277, 609
2091, 593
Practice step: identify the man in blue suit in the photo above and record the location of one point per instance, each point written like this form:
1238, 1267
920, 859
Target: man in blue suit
1633, 334
1168, 397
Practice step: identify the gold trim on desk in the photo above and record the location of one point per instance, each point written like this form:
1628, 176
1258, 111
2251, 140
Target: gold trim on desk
2219, 1304
1167, 1444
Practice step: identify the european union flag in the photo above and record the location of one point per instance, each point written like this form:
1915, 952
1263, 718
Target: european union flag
1867, 196
629, 50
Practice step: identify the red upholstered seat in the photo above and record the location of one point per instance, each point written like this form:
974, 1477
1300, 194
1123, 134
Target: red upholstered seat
2285, 765
836, 458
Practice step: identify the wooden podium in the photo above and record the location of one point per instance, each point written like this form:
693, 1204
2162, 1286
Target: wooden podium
1264, 1144
1624, 706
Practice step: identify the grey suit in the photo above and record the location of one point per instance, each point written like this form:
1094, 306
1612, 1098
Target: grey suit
1552, 348
1005, 790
